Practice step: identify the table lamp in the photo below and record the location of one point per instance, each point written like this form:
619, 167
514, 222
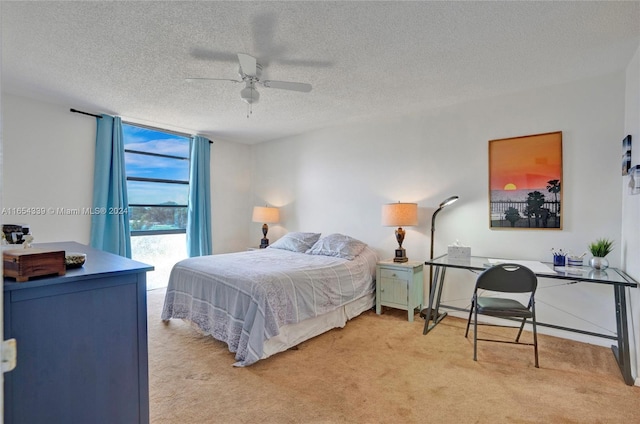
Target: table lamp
400, 214
266, 215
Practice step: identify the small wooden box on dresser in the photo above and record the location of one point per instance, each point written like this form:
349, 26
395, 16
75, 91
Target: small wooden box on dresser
399, 285
81, 343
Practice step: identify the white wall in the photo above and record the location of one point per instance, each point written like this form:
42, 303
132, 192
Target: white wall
231, 205
1, 222
48, 163
630, 244
336, 180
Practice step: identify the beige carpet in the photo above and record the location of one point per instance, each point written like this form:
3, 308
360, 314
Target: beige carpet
381, 369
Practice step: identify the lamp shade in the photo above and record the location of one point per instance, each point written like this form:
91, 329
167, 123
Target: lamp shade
448, 201
400, 214
265, 214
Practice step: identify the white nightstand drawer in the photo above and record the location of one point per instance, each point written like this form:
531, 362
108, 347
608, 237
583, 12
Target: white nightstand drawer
395, 273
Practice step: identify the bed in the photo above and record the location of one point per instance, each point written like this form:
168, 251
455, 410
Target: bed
265, 301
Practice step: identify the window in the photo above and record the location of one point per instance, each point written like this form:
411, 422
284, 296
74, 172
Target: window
157, 167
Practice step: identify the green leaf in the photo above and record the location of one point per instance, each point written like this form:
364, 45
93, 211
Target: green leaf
601, 247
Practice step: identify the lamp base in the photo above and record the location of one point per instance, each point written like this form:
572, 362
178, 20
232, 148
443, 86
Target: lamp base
264, 243
401, 255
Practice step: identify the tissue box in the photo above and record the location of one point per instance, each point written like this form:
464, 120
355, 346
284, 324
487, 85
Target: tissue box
459, 252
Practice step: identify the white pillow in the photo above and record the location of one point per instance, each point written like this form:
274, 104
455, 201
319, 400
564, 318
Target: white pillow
337, 245
296, 241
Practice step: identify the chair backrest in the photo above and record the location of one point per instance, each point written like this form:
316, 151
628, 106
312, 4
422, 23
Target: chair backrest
508, 278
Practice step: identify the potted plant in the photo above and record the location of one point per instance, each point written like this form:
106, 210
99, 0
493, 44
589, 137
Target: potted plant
599, 249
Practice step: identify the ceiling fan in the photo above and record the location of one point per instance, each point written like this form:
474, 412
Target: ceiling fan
250, 72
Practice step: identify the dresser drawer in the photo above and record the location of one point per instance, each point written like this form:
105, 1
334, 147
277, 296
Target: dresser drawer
394, 274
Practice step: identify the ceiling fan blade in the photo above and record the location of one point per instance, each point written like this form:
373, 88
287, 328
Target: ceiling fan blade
209, 79
284, 85
247, 64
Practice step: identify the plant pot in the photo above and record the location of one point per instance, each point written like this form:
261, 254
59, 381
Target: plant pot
599, 263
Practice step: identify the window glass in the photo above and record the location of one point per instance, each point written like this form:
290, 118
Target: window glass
154, 141
157, 167
157, 218
155, 193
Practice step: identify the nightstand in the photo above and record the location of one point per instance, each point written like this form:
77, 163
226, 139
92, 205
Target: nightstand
399, 285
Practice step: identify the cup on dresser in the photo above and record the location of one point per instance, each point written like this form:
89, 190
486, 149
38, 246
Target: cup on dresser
558, 260
574, 261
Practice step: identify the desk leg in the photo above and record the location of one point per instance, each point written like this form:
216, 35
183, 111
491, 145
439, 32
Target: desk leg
435, 293
621, 352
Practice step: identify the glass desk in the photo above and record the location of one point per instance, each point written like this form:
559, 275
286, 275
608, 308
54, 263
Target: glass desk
616, 278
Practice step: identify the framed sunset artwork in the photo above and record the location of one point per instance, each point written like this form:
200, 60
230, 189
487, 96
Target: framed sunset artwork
525, 182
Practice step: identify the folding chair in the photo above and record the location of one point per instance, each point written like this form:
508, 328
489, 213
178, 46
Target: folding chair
504, 278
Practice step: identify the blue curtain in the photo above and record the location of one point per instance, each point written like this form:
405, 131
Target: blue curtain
109, 228
199, 214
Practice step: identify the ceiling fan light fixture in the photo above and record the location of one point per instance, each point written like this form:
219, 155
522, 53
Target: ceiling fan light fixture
249, 94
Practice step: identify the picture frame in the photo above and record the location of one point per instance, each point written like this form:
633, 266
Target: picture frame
525, 182
626, 155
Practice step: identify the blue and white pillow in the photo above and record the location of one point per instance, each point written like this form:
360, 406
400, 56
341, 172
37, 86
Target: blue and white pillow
338, 245
296, 241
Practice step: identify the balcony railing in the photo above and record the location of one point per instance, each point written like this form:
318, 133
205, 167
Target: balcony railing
161, 251
548, 215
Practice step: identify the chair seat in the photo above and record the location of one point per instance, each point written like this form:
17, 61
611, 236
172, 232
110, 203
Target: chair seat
500, 307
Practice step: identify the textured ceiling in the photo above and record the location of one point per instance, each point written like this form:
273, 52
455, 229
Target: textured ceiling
364, 59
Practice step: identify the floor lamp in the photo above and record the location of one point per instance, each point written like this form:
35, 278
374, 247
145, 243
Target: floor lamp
446, 202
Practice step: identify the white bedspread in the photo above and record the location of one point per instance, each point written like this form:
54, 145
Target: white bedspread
244, 298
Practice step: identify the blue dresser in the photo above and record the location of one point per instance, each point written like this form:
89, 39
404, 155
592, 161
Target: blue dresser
81, 342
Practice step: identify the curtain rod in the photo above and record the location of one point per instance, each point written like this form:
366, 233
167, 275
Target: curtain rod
85, 113
150, 127
139, 125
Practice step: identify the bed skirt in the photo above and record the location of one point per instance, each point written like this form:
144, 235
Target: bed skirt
294, 334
